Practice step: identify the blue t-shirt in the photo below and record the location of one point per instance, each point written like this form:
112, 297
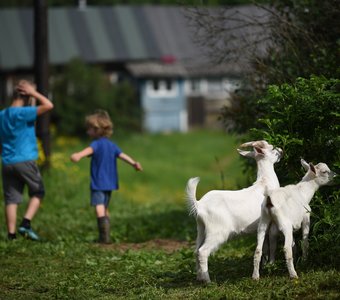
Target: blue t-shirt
104, 175
17, 134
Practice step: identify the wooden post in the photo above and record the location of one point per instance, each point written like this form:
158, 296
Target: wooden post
41, 72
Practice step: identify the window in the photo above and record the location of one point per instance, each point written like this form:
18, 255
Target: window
168, 85
155, 84
161, 88
195, 85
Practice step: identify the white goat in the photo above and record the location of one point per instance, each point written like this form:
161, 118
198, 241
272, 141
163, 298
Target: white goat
288, 208
221, 214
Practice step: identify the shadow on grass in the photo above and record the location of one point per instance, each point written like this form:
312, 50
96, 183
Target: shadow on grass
222, 270
149, 225
232, 262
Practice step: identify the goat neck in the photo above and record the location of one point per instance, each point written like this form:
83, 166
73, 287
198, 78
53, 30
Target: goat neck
266, 175
307, 190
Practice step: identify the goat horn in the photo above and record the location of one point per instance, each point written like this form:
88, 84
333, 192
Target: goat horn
261, 144
248, 144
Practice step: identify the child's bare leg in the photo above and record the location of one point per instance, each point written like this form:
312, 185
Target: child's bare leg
100, 210
32, 208
11, 217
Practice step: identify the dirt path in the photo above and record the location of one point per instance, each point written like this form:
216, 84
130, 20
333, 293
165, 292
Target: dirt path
166, 245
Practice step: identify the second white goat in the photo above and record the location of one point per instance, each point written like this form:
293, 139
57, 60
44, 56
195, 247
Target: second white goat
288, 208
221, 214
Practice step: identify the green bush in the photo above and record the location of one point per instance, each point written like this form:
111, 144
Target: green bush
81, 89
304, 119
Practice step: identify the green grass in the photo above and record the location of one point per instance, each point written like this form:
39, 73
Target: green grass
148, 210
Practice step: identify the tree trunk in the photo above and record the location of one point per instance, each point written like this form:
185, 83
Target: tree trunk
41, 67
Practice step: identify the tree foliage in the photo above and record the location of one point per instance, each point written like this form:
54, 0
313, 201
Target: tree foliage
273, 44
304, 119
304, 41
80, 89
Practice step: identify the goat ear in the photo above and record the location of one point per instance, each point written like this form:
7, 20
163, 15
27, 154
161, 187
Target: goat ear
246, 153
304, 164
312, 168
258, 150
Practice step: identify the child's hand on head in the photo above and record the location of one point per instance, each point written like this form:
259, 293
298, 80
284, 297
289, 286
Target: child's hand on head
25, 88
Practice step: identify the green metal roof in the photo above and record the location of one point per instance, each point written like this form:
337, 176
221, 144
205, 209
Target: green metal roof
101, 34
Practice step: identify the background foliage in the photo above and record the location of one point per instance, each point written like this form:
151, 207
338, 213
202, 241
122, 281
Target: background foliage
292, 99
304, 119
80, 89
304, 41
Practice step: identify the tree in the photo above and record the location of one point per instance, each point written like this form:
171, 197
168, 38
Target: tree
305, 41
303, 118
80, 89
273, 44
41, 68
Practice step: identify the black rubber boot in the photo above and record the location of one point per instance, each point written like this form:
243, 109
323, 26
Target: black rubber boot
104, 230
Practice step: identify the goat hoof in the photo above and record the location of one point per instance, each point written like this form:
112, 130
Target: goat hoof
203, 278
204, 282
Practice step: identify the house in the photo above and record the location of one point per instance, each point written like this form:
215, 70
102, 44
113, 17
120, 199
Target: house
177, 98
151, 45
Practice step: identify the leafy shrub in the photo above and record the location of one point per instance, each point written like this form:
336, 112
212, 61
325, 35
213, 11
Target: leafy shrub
81, 89
304, 119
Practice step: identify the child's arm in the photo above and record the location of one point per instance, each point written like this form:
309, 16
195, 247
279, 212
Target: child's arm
131, 161
75, 157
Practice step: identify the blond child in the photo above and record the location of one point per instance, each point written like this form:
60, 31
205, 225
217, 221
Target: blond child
104, 175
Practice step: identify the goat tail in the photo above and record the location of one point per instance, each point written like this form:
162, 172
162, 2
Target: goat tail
191, 195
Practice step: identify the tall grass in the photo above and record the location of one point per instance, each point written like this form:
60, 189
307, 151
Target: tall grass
149, 206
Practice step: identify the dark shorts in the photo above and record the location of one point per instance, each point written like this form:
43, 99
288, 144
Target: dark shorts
16, 176
100, 198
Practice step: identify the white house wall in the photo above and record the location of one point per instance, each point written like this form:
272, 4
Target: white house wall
216, 88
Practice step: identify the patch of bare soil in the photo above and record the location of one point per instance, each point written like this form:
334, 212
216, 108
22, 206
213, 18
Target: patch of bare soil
166, 245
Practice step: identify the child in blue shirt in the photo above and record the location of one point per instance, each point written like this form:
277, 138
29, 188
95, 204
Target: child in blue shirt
19, 153
104, 176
